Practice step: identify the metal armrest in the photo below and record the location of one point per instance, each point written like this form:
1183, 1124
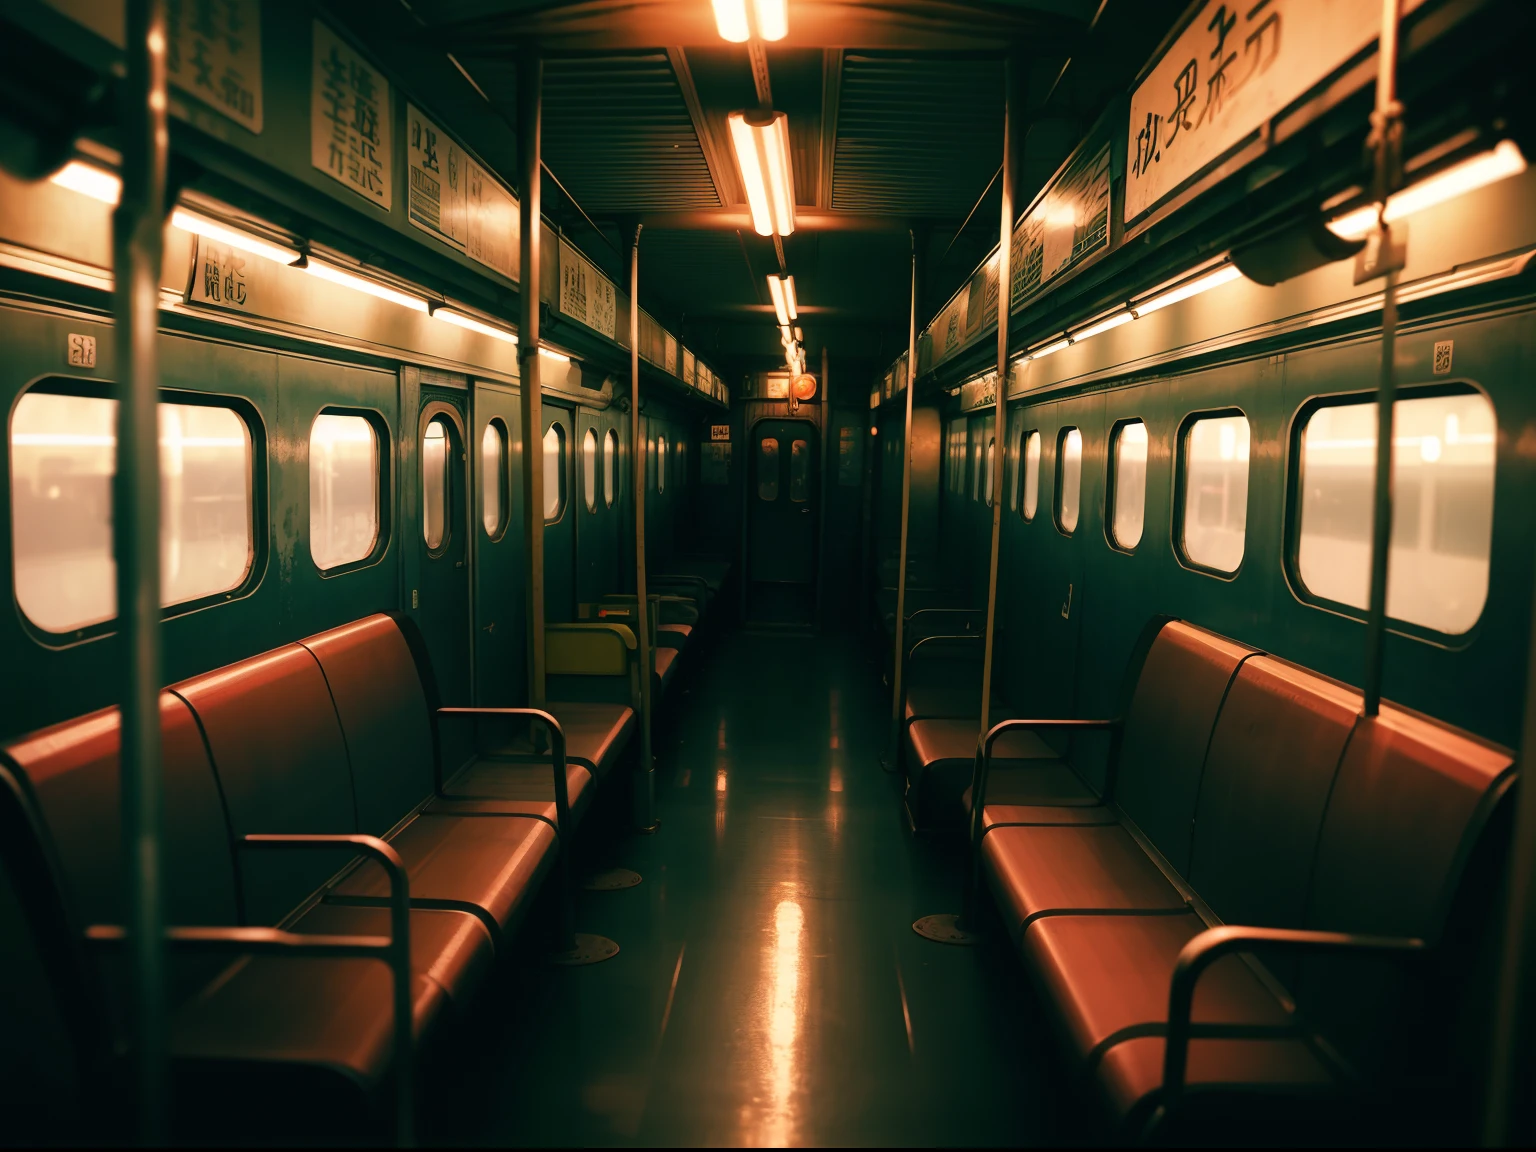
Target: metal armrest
983, 765
1214, 943
394, 949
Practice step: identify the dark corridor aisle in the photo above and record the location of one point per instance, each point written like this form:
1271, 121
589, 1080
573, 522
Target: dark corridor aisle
770, 989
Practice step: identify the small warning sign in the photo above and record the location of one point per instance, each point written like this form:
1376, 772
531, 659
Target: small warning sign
719, 431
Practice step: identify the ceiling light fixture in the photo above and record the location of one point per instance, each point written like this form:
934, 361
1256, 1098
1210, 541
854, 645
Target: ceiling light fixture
738, 20
1047, 349
761, 141
89, 180
362, 284
782, 290
1204, 283
200, 225
1103, 325
1486, 168
463, 320
551, 354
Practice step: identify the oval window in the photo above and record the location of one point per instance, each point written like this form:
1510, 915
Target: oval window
1069, 479
661, 463
554, 473
1031, 475
1129, 492
493, 478
610, 465
589, 469
1215, 514
434, 484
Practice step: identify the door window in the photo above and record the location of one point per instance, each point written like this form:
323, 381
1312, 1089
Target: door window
1128, 506
799, 471
610, 465
343, 490
589, 469
1069, 479
493, 478
991, 465
554, 472
1215, 515
1031, 502
768, 469
434, 484
661, 463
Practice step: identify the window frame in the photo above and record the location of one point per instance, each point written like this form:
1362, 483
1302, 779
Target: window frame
1293, 480
260, 513
1112, 484
504, 467
1181, 490
448, 416
557, 426
1061, 459
384, 442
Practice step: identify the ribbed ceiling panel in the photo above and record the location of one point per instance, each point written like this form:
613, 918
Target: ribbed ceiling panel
916, 136
706, 268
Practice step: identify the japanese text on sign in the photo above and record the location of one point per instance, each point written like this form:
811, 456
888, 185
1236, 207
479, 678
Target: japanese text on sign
213, 52
435, 176
349, 118
220, 276
1232, 68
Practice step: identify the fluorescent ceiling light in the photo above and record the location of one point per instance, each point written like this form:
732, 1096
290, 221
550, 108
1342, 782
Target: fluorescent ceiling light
1486, 168
799, 334
363, 284
1046, 350
453, 316
551, 354
1222, 275
761, 141
786, 337
1103, 325
88, 180
738, 20
782, 290
201, 225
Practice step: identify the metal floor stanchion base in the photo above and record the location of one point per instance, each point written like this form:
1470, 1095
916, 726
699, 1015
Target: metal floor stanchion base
590, 949
944, 928
611, 880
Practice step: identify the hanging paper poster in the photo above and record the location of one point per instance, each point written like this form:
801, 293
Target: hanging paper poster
349, 118
436, 168
213, 52
492, 231
1067, 223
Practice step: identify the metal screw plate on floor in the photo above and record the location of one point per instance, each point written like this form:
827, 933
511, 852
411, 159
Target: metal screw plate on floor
944, 928
611, 880
590, 949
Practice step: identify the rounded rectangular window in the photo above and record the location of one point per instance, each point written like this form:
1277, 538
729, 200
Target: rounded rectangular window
1031, 502
63, 459
554, 472
991, 469
768, 469
1215, 480
1128, 502
493, 478
1011, 477
343, 490
589, 469
435, 445
1069, 479
610, 465
975, 453
1442, 515
799, 471
661, 463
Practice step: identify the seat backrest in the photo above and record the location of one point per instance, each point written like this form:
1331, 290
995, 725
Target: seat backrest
1168, 725
376, 688
1273, 755
282, 766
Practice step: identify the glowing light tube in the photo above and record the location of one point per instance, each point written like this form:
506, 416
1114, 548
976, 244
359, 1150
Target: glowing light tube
761, 141
1476, 172
362, 284
201, 225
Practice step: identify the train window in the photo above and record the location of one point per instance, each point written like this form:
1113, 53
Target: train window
1069, 479
1215, 480
435, 449
991, 469
799, 471
343, 490
768, 469
1031, 475
610, 465
493, 478
1442, 523
975, 467
554, 472
1011, 477
661, 463
63, 457
589, 469
1128, 499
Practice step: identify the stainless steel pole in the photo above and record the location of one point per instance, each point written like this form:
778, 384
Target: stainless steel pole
530, 94
137, 231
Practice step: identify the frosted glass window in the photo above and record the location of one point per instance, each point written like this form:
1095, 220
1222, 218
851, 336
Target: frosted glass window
1216, 492
1031, 475
63, 458
661, 463
975, 453
768, 469
991, 466
554, 472
343, 490
799, 471
1129, 507
610, 465
1069, 479
434, 484
493, 472
1442, 522
1011, 479
589, 469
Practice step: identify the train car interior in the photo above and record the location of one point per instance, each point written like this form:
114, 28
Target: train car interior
767, 572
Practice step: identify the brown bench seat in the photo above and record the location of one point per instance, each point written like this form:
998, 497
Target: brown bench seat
941, 758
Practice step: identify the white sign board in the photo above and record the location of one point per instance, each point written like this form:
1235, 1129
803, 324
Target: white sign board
349, 118
222, 277
1232, 68
213, 52
436, 179
586, 294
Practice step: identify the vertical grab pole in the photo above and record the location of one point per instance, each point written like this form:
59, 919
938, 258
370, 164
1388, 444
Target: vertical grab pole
645, 786
137, 230
906, 513
530, 95
1386, 140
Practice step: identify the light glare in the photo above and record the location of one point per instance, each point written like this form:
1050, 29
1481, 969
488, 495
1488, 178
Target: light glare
1487, 168
200, 225
90, 181
362, 284
461, 320
762, 156
1222, 275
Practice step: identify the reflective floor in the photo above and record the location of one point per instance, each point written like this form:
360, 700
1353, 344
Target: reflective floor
770, 989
